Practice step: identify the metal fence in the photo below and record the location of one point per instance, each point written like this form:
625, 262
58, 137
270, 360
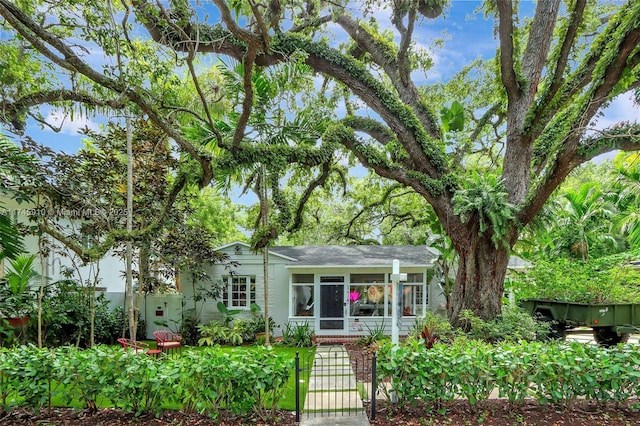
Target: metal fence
336, 384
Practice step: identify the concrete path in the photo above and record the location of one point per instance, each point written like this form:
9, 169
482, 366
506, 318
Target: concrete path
333, 397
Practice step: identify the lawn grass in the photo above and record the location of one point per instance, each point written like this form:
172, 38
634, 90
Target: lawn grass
287, 402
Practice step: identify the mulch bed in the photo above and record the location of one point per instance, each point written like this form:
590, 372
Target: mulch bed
499, 413
113, 417
494, 412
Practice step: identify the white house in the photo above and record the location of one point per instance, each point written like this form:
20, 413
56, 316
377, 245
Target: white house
339, 290
58, 258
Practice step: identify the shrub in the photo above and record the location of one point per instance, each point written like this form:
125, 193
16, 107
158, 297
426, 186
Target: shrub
190, 332
30, 374
432, 328
298, 335
375, 334
246, 381
605, 280
87, 374
138, 383
513, 324
552, 373
213, 333
66, 316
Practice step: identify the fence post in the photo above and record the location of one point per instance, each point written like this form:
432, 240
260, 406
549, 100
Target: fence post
297, 386
374, 385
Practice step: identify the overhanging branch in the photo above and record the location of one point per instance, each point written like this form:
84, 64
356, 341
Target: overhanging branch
625, 137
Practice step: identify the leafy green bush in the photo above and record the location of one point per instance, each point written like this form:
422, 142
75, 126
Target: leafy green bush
213, 333
66, 311
189, 331
605, 280
246, 382
78, 370
30, 374
138, 383
432, 328
217, 333
552, 373
232, 330
513, 324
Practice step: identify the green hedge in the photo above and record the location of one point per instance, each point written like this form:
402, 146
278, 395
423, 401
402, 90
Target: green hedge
548, 372
245, 382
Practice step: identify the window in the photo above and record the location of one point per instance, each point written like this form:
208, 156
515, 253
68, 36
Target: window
302, 295
240, 291
413, 295
366, 295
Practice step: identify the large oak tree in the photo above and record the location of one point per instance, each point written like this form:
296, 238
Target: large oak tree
486, 165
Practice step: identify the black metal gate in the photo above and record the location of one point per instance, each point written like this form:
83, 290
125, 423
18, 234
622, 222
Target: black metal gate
332, 383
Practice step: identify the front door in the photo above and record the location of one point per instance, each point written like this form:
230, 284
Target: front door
332, 304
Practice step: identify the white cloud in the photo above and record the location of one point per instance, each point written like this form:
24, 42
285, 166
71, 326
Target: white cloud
70, 126
620, 109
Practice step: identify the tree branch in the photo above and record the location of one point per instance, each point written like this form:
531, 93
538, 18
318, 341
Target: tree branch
404, 68
563, 55
390, 62
38, 36
540, 38
411, 130
86, 255
575, 83
14, 112
248, 37
624, 137
506, 34
316, 183
247, 103
264, 32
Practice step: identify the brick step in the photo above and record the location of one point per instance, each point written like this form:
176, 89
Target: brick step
336, 340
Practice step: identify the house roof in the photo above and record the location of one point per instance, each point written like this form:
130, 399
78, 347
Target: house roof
362, 255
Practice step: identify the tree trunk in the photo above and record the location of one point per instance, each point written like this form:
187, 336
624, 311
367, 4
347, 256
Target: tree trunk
92, 305
480, 278
129, 245
264, 209
144, 279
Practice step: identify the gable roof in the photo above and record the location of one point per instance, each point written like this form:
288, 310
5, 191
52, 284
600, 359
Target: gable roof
357, 255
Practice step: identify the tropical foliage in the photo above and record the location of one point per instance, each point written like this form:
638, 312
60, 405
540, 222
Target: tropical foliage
233, 86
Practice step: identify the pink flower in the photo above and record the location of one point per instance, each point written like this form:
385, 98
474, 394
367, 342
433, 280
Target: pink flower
354, 296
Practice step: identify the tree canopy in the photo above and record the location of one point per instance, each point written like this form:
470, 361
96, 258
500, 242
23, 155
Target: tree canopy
511, 130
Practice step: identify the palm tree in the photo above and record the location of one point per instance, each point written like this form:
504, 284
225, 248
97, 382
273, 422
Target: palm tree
627, 168
584, 218
248, 135
10, 240
15, 167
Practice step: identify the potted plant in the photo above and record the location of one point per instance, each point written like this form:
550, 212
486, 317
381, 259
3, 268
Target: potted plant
17, 301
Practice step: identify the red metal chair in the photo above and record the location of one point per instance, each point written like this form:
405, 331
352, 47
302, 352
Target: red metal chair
168, 341
138, 347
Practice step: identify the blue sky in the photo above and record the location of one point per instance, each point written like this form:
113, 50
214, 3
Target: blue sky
467, 35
